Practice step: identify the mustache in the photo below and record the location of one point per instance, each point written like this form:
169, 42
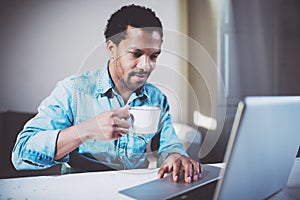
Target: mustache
141, 72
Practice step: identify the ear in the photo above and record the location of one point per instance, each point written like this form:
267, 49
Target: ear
111, 49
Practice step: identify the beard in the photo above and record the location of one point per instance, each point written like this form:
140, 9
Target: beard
132, 85
129, 81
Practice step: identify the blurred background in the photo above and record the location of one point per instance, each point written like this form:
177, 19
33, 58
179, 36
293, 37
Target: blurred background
215, 52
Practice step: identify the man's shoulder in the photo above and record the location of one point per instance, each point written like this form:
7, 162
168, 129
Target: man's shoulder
83, 81
89, 74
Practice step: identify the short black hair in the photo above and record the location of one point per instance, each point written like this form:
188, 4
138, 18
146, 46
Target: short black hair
131, 15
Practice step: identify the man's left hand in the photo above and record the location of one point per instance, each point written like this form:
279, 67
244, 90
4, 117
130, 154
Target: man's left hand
179, 164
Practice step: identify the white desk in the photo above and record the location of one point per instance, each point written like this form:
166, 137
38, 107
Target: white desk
94, 185
100, 185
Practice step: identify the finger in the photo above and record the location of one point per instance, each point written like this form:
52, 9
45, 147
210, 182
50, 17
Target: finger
188, 169
121, 123
122, 112
120, 130
196, 170
162, 171
117, 135
176, 171
170, 168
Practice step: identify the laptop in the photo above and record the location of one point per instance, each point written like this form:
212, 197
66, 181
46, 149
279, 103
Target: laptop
261, 150
165, 188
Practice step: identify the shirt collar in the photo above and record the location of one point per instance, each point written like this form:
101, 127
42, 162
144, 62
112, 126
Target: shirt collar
105, 85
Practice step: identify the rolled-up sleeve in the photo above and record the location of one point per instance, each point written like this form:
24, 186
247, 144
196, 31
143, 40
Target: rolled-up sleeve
35, 146
36, 151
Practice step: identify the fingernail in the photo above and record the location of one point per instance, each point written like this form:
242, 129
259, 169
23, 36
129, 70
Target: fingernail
188, 179
175, 178
196, 177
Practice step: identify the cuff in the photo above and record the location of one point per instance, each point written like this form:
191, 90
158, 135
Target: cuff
39, 152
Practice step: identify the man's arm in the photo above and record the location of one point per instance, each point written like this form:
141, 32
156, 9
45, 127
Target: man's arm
109, 125
36, 143
173, 157
47, 139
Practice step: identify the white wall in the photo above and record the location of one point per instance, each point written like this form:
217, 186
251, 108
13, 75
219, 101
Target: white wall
43, 42
203, 29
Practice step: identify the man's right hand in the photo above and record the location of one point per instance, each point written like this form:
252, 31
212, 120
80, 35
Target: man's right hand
108, 125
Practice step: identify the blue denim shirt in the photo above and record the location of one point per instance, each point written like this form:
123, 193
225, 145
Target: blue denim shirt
79, 98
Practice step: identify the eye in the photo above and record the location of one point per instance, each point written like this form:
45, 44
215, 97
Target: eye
135, 54
153, 57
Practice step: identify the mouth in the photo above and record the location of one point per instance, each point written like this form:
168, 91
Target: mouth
140, 76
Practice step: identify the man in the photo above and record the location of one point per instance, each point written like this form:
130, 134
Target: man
86, 115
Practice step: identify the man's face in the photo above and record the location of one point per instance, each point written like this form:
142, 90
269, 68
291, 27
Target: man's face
136, 58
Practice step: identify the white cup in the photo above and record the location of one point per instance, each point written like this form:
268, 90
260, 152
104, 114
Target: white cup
144, 119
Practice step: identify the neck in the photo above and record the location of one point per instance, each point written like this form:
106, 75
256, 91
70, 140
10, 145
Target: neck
122, 90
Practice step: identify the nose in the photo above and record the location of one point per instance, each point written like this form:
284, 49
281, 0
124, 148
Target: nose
144, 63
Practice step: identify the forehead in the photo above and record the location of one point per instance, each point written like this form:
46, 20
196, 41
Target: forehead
142, 38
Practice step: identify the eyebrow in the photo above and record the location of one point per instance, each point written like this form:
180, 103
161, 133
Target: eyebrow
140, 50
